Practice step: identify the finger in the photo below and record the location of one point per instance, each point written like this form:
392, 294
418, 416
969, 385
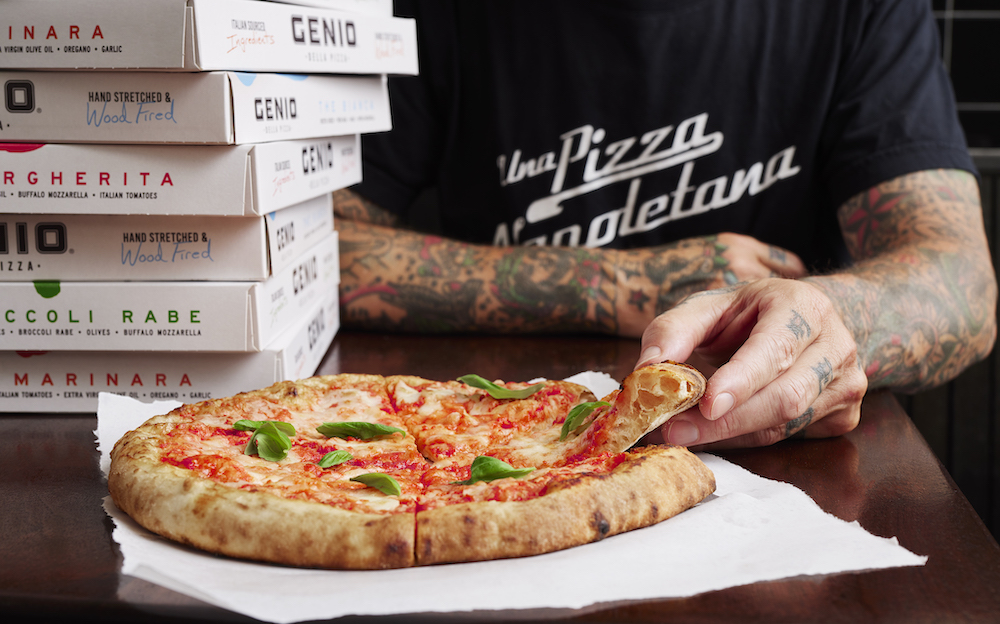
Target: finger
782, 409
783, 262
835, 412
835, 423
751, 259
848, 415
790, 403
674, 334
778, 335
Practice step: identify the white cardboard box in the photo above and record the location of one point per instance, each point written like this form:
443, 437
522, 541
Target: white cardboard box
165, 316
199, 35
365, 7
221, 108
69, 381
238, 180
94, 248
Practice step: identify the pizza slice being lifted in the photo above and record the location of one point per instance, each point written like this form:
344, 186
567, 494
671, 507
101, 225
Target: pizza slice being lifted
368, 472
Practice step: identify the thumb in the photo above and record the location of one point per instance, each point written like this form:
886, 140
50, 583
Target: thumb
675, 334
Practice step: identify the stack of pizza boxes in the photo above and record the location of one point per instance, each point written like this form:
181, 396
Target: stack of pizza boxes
166, 222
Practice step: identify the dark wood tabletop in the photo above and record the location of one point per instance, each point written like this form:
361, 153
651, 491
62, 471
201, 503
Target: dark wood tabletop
58, 561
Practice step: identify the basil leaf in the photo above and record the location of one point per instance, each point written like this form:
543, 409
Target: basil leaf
269, 441
577, 415
253, 425
381, 482
486, 468
499, 392
359, 430
270, 448
333, 458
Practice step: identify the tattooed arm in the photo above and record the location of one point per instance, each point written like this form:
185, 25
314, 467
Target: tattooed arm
916, 308
393, 279
921, 299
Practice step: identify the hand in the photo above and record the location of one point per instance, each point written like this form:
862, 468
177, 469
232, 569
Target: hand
779, 360
747, 259
669, 273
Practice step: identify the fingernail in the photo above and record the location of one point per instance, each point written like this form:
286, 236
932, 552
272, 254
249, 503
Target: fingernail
682, 433
722, 404
651, 353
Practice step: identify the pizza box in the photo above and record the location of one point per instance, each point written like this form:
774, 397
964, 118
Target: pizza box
165, 316
221, 108
221, 180
365, 7
201, 35
158, 247
69, 381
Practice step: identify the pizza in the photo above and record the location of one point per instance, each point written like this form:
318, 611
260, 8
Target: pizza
355, 471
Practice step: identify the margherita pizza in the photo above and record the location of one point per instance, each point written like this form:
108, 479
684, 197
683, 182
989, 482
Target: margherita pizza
368, 472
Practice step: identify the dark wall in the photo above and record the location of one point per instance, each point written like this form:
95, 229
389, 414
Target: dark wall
970, 49
960, 420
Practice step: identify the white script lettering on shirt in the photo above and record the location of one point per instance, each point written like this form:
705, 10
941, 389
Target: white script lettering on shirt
689, 143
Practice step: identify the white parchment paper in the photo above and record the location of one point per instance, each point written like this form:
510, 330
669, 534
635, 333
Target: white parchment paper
752, 529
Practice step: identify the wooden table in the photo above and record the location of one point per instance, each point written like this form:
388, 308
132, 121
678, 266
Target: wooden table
58, 561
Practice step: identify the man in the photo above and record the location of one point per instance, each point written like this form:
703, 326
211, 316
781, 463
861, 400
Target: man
775, 190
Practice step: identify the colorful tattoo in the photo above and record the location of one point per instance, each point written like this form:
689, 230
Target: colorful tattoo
392, 279
403, 280
921, 298
669, 273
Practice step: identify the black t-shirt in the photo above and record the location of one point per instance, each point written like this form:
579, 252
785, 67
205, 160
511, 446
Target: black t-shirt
629, 123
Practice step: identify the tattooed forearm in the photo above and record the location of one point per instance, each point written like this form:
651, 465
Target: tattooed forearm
391, 279
398, 280
654, 280
921, 299
349, 205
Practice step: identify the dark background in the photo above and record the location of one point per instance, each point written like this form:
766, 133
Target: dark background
960, 420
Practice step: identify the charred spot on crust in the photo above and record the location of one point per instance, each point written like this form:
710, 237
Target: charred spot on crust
654, 510
601, 525
292, 392
397, 547
468, 519
200, 507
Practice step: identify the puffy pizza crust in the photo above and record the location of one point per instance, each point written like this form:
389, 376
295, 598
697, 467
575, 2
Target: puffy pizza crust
653, 484
648, 398
182, 506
